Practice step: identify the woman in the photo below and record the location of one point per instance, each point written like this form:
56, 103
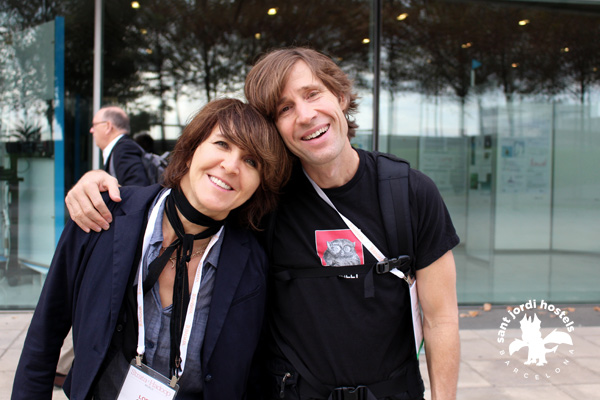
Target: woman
204, 276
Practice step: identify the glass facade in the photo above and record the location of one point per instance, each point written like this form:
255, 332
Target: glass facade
497, 101
32, 157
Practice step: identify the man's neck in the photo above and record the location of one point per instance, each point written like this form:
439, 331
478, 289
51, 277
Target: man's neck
337, 173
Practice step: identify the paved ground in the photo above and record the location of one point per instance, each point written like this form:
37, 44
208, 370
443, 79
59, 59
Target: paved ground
487, 371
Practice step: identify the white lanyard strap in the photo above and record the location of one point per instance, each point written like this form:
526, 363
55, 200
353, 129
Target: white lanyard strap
191, 310
357, 232
141, 345
189, 318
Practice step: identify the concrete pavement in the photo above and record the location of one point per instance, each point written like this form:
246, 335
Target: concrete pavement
487, 370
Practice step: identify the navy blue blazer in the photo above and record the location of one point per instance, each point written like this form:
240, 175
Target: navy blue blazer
126, 158
86, 285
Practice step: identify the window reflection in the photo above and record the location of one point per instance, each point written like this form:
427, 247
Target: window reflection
497, 101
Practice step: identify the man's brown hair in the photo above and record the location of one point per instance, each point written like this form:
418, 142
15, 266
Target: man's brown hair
266, 80
245, 127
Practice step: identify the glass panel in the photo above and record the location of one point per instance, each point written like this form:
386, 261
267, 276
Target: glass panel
31, 157
499, 104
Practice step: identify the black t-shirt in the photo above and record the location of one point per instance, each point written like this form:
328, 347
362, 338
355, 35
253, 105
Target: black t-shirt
341, 336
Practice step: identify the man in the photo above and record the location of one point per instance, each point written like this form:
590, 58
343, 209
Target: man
122, 156
329, 337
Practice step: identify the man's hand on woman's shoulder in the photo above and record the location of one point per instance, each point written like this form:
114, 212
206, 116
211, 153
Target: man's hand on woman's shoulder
85, 204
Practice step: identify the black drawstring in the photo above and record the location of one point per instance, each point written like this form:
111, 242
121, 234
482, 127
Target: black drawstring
184, 244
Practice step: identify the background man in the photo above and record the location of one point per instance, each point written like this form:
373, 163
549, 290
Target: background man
122, 156
328, 337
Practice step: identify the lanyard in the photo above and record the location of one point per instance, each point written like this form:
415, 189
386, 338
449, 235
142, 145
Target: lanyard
355, 230
189, 318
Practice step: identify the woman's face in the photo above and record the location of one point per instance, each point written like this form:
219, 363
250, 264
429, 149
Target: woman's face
221, 176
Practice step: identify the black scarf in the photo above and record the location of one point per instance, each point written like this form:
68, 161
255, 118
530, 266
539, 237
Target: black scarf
184, 244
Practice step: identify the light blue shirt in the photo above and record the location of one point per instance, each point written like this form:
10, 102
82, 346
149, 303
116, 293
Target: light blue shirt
157, 319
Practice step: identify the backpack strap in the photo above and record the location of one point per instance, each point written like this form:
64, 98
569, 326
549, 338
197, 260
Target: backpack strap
394, 199
311, 387
111, 165
393, 188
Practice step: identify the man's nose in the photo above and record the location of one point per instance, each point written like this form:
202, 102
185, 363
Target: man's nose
306, 113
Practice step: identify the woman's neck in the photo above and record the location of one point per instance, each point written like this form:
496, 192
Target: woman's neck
169, 235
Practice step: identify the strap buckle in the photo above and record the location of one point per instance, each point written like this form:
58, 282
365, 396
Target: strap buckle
349, 393
402, 263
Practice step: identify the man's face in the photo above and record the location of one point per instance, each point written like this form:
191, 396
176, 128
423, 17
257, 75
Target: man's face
310, 118
99, 130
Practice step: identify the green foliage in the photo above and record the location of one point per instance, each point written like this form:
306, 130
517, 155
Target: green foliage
27, 132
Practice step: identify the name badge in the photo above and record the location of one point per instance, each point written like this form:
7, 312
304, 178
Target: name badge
416, 316
144, 383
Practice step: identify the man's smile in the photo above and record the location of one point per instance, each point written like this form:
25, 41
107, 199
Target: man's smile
317, 133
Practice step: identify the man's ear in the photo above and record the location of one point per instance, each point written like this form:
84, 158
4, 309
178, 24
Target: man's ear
343, 103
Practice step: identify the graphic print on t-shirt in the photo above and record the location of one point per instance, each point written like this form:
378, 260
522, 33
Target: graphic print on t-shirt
338, 248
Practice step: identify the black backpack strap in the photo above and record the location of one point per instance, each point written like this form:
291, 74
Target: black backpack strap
289, 273
394, 201
311, 387
393, 175
322, 390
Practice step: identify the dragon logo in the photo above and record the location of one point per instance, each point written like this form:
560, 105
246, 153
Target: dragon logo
532, 338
